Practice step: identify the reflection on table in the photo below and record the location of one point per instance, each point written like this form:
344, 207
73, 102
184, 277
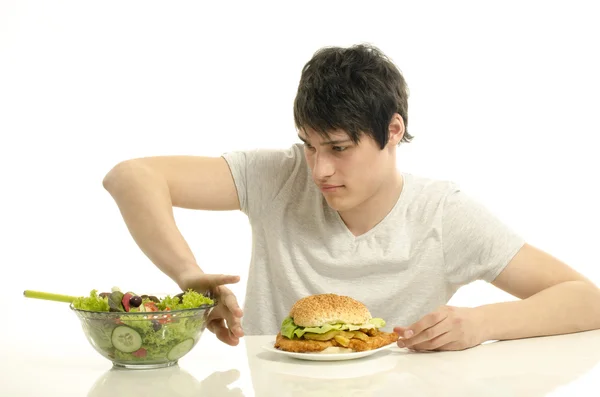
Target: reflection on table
529, 367
165, 382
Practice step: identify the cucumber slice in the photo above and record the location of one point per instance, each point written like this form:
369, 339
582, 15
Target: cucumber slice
126, 339
180, 349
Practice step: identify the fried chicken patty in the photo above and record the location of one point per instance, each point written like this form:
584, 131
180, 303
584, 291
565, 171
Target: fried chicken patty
376, 340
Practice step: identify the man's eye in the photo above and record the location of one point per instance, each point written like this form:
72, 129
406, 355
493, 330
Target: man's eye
308, 146
339, 148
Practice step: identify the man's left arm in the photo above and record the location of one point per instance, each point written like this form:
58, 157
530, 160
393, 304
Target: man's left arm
555, 299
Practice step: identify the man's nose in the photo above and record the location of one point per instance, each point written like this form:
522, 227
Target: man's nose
323, 167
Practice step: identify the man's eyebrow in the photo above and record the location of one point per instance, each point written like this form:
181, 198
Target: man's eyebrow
337, 142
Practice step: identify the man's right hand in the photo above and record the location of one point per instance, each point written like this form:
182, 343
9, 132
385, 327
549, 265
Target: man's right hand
224, 319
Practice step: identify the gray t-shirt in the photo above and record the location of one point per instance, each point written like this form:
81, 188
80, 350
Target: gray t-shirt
434, 240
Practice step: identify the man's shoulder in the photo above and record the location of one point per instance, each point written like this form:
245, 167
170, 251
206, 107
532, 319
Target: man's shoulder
268, 159
292, 151
425, 197
425, 187
265, 175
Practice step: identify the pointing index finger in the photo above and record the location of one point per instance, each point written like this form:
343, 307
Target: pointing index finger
215, 280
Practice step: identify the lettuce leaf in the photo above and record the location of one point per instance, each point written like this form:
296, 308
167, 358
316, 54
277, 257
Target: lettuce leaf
191, 299
289, 329
377, 322
92, 303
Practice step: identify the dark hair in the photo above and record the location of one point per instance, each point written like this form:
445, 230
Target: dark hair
356, 89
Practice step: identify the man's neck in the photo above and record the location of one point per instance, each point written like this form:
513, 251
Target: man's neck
368, 214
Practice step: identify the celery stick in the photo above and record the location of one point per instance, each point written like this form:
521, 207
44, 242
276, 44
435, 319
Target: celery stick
48, 296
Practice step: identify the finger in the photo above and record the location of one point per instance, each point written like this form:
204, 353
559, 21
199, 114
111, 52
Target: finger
216, 322
223, 333
234, 324
428, 334
232, 304
219, 316
215, 280
435, 343
400, 331
426, 322
213, 324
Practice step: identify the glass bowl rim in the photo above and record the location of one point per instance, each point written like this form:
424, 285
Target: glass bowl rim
204, 307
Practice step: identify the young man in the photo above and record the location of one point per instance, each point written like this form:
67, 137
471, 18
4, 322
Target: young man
333, 214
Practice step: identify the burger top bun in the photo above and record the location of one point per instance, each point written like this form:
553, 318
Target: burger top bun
318, 310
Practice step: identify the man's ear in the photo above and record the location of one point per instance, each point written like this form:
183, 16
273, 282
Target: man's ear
396, 129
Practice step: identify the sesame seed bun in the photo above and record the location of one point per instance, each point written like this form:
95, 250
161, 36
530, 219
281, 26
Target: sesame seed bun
318, 310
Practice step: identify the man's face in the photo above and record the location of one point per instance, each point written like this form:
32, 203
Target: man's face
348, 174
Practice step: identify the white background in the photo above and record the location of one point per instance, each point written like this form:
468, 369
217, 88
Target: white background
504, 100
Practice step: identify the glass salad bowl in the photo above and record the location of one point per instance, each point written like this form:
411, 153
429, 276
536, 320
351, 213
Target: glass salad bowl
148, 336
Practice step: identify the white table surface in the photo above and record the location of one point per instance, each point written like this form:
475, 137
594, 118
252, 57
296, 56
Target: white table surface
58, 361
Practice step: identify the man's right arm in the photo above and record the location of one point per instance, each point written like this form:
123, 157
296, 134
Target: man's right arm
147, 189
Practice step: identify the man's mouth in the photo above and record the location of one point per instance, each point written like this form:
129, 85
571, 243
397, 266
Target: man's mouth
330, 188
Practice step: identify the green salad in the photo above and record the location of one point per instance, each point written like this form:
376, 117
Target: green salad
146, 330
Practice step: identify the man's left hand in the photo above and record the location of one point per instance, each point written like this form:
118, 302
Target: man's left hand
448, 328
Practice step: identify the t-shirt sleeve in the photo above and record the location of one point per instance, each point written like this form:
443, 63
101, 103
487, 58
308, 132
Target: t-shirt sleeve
477, 244
261, 175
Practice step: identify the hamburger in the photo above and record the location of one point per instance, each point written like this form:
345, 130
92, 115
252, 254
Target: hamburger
330, 323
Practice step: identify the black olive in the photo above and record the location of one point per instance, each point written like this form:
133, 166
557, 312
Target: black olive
180, 296
154, 299
144, 296
135, 301
156, 325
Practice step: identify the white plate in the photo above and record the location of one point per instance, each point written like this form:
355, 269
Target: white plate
325, 356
